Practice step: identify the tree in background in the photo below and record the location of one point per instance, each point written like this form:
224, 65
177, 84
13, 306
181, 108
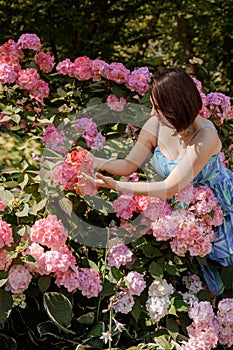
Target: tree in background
135, 31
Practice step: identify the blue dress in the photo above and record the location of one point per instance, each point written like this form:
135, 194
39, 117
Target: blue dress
220, 179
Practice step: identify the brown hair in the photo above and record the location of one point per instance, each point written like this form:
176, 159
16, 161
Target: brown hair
175, 95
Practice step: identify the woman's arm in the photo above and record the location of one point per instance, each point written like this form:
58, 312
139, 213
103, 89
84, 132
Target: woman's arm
191, 164
137, 155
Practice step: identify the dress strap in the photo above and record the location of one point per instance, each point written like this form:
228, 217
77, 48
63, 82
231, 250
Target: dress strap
157, 133
200, 129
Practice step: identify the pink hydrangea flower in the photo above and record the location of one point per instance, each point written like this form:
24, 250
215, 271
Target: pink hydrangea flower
193, 235
10, 52
165, 227
157, 208
69, 279
224, 321
49, 232
201, 339
2, 205
204, 201
19, 279
139, 80
4, 261
58, 260
38, 252
6, 235
86, 125
45, 61
117, 72
81, 68
64, 67
69, 173
97, 142
119, 255
97, 67
90, 283
116, 104
92, 137
219, 102
124, 206
29, 41
54, 138
136, 283
28, 78
202, 331
186, 194
8, 74
41, 91
141, 202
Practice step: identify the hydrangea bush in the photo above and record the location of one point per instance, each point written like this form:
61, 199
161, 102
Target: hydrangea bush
55, 290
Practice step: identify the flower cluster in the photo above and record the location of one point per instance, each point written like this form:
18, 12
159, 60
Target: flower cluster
202, 332
187, 229
83, 68
6, 236
54, 139
88, 128
119, 255
90, 283
207, 329
215, 105
224, 320
193, 285
47, 245
28, 79
69, 173
116, 104
158, 303
49, 232
123, 301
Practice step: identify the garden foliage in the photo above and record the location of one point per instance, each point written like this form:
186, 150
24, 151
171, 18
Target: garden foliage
82, 267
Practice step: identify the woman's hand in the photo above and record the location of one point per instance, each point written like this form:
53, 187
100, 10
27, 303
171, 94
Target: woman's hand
102, 181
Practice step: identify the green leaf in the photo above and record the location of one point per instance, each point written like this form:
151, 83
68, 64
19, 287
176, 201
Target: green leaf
24, 182
227, 276
6, 303
40, 205
93, 265
7, 343
150, 251
172, 328
48, 328
29, 259
87, 319
156, 270
59, 309
96, 330
24, 212
66, 205
108, 288
172, 269
115, 275
3, 278
44, 283
137, 309
6, 196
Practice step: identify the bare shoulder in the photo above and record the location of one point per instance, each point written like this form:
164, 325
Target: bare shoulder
208, 137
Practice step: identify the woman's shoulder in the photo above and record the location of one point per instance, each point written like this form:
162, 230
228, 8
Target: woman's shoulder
207, 134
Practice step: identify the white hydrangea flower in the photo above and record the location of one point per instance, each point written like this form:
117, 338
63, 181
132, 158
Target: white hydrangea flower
122, 302
157, 307
160, 288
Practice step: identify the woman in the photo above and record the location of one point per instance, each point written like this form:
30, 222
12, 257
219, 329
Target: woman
186, 150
